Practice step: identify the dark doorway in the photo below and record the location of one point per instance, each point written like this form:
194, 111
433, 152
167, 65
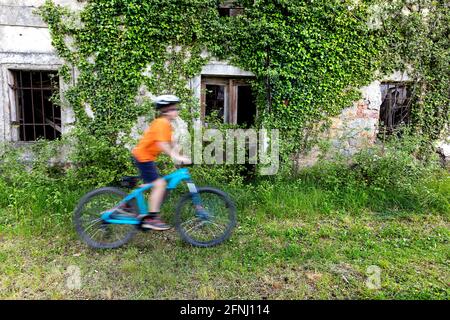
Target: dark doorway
246, 108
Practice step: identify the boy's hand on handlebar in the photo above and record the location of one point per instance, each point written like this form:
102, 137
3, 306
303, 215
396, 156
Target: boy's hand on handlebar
183, 160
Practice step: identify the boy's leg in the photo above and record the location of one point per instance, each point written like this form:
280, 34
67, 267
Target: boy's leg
149, 174
157, 195
155, 199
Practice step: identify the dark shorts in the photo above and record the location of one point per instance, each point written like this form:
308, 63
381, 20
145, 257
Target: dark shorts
147, 170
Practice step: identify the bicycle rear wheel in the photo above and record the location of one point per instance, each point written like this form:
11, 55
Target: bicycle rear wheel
210, 226
92, 229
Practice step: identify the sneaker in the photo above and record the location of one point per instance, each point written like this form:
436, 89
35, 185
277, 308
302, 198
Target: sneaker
154, 223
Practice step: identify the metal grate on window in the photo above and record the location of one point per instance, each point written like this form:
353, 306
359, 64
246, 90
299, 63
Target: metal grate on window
38, 117
395, 107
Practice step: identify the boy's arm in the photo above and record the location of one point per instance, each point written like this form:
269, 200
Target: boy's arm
172, 152
167, 149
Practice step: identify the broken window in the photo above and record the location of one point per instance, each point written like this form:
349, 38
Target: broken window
35, 114
215, 101
228, 100
395, 107
229, 9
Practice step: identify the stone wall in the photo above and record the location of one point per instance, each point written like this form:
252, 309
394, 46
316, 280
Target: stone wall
356, 127
25, 44
443, 149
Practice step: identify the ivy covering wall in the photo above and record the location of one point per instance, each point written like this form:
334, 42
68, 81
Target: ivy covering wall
309, 58
417, 39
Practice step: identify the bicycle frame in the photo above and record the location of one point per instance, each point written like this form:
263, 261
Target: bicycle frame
173, 180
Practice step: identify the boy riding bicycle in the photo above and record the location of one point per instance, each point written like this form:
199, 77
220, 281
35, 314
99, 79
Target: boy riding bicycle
157, 138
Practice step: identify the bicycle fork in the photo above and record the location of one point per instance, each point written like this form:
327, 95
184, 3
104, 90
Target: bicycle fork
197, 201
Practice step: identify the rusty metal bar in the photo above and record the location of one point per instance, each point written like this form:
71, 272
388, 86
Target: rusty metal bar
32, 105
42, 106
22, 116
53, 117
28, 105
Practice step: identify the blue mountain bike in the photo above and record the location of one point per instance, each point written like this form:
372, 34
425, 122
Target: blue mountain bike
109, 217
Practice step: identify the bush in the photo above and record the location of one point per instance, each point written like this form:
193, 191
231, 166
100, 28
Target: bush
39, 193
35, 190
388, 176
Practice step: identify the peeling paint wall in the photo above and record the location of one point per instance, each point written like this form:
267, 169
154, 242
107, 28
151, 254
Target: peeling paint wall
25, 44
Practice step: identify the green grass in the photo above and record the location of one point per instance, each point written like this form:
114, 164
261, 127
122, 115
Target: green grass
294, 240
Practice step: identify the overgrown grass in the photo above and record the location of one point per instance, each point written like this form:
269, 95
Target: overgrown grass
309, 236
312, 256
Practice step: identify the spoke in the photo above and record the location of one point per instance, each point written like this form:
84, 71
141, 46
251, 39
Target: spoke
210, 227
188, 221
196, 226
206, 230
122, 230
91, 220
91, 224
119, 235
210, 231
95, 233
220, 227
88, 214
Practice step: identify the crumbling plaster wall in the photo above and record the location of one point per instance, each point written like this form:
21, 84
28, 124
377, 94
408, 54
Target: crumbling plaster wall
356, 127
25, 44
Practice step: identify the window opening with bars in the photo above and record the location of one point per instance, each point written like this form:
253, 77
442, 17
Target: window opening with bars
36, 115
395, 108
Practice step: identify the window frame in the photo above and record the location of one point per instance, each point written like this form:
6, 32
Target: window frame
231, 85
12, 96
232, 9
390, 128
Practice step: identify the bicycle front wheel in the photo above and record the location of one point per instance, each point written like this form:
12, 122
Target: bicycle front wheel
209, 226
92, 229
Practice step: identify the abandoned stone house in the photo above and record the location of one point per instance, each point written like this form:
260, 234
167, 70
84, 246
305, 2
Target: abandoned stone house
28, 65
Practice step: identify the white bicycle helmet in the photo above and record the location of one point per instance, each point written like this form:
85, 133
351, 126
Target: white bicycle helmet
165, 100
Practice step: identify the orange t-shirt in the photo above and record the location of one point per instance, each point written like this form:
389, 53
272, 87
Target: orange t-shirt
160, 130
